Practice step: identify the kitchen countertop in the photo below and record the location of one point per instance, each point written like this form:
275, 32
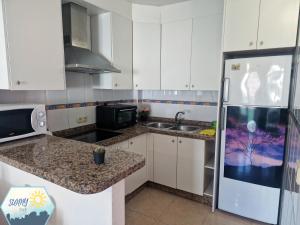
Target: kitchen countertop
69, 163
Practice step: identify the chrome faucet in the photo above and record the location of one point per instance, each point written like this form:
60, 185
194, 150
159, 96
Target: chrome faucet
178, 118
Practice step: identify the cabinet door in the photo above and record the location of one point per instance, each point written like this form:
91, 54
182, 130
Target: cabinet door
206, 52
122, 51
190, 165
176, 55
150, 156
146, 56
165, 160
137, 145
35, 40
278, 23
241, 25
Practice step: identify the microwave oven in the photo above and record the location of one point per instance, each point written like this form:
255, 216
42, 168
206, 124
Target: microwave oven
116, 116
21, 121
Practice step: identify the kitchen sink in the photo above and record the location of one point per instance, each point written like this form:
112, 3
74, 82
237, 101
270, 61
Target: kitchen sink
160, 125
185, 128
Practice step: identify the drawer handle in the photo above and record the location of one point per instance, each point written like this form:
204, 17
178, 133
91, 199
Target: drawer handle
180, 142
250, 43
261, 43
173, 141
131, 143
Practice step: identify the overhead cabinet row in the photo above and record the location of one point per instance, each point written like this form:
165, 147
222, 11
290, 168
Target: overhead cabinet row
260, 24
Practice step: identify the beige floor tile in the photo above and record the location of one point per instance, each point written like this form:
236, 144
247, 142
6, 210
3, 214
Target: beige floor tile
151, 202
222, 218
135, 218
185, 212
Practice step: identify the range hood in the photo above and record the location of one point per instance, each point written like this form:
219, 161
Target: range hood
78, 55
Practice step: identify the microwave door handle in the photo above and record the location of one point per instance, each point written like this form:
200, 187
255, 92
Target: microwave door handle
226, 89
126, 110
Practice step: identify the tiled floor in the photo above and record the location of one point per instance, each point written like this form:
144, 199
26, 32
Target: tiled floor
155, 207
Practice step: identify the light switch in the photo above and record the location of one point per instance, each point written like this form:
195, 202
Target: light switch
298, 173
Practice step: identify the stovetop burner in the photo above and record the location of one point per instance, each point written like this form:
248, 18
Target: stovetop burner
94, 136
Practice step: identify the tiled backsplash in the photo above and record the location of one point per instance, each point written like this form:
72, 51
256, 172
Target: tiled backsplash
197, 105
65, 112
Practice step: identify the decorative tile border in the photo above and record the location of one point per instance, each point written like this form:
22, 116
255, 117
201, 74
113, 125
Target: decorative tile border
86, 104
132, 101
178, 102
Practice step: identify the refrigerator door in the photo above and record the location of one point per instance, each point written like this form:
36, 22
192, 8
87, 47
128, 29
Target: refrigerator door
251, 165
260, 81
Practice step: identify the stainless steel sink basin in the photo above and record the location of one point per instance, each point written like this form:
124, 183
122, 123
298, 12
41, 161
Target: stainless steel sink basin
160, 125
185, 128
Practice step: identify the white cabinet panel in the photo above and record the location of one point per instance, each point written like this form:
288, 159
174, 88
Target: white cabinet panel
206, 52
150, 156
176, 55
137, 145
190, 165
146, 56
112, 37
278, 23
122, 51
165, 160
34, 41
241, 22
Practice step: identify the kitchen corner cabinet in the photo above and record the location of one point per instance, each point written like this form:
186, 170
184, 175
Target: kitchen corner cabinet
190, 165
30, 58
137, 145
146, 55
260, 24
176, 55
112, 37
165, 160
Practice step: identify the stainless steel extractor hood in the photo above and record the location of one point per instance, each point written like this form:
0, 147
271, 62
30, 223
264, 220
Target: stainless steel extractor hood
78, 56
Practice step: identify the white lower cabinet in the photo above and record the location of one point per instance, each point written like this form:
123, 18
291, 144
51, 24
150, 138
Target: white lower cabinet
165, 160
190, 165
137, 145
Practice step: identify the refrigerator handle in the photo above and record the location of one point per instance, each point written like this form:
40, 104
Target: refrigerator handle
226, 89
223, 116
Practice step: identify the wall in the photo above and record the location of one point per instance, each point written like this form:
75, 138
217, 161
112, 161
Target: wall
65, 107
198, 105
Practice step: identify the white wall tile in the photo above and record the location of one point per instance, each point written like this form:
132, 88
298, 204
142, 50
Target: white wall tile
89, 91
56, 97
74, 114
57, 119
91, 114
75, 87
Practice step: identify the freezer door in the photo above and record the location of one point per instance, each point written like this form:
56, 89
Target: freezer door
251, 163
260, 81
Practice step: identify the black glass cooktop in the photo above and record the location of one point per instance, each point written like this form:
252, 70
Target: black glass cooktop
94, 136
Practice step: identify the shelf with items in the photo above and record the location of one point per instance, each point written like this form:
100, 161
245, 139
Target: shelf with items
210, 164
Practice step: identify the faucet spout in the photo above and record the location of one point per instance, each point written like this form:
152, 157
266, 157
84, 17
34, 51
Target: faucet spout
178, 118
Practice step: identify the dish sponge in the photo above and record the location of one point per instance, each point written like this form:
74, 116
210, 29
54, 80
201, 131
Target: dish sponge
208, 132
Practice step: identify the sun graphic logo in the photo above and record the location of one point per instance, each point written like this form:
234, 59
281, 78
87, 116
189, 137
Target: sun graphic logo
27, 206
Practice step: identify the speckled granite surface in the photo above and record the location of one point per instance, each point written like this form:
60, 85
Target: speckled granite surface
69, 163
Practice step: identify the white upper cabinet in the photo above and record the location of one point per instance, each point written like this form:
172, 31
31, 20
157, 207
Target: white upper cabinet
278, 23
176, 55
146, 56
241, 23
206, 52
112, 36
31, 45
260, 24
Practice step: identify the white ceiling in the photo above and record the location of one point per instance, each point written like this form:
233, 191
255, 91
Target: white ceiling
156, 2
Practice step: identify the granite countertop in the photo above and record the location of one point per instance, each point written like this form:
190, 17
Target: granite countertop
140, 129
69, 163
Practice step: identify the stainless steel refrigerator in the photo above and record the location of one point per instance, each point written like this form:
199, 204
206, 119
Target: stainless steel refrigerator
254, 124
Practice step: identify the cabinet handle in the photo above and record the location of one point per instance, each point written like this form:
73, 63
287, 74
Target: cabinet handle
193, 86
186, 85
131, 143
261, 43
136, 85
250, 43
116, 85
180, 141
173, 141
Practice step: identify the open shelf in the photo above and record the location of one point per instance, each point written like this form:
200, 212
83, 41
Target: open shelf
209, 189
210, 164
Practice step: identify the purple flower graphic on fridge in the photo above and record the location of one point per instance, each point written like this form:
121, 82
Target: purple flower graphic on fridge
255, 142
